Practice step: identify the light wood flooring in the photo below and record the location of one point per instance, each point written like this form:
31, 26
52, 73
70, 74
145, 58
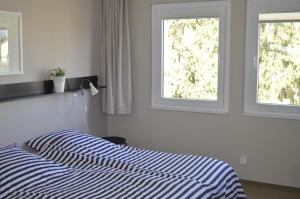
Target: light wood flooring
256, 190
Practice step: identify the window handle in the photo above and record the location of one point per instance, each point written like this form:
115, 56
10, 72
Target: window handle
255, 63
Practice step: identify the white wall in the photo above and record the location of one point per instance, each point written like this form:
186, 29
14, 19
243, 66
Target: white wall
55, 33
24, 119
272, 145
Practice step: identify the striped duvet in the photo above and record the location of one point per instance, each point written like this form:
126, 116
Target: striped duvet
216, 179
28, 176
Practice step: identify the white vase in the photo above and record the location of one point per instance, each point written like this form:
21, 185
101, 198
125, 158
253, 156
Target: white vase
59, 84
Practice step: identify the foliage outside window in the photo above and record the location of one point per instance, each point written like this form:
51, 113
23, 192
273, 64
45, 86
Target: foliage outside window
279, 63
191, 58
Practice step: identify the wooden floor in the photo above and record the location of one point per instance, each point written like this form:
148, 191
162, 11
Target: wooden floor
265, 191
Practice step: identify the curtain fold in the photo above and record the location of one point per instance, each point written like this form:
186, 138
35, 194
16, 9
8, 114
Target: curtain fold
115, 60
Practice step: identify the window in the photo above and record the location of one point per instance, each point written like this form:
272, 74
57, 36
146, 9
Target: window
190, 52
272, 73
4, 50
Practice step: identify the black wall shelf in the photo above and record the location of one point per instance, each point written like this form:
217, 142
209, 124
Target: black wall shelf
10, 92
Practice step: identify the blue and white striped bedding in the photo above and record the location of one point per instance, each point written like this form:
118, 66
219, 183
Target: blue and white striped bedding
85, 152
27, 176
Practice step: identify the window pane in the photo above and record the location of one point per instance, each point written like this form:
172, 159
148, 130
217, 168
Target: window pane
191, 58
279, 59
4, 50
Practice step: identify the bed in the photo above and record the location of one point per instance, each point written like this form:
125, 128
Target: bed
70, 164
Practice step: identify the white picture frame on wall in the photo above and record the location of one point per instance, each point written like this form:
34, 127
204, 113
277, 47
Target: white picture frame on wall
11, 43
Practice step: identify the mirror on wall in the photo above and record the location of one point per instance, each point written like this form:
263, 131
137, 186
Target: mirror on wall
11, 62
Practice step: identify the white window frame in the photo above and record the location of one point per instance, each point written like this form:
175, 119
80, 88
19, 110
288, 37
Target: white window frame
160, 12
251, 107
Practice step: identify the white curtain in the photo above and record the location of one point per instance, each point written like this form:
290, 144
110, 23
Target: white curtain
115, 59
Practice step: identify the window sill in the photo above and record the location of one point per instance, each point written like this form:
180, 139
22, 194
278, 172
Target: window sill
188, 109
272, 115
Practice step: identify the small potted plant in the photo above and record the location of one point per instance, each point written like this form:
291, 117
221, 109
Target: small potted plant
58, 77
